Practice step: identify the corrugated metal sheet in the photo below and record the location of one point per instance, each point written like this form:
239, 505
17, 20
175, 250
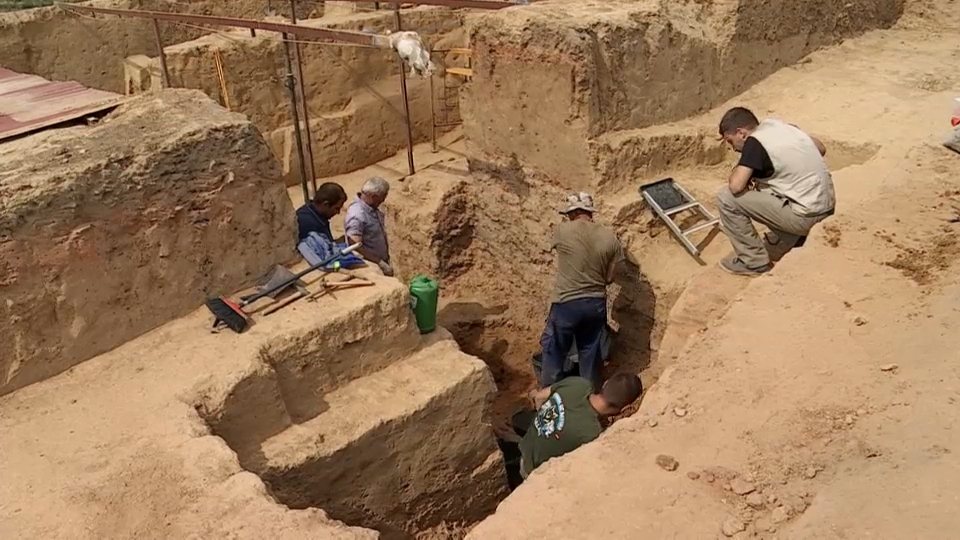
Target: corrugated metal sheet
30, 103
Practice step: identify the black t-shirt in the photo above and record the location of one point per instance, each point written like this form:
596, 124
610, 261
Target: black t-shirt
755, 156
309, 220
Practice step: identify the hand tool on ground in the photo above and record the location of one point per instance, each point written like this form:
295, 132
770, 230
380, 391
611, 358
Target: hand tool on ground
231, 313
276, 306
348, 283
277, 275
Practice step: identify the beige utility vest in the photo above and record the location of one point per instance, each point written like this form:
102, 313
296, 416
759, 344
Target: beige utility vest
800, 173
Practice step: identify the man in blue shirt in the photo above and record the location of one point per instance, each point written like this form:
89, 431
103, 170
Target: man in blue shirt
315, 215
365, 222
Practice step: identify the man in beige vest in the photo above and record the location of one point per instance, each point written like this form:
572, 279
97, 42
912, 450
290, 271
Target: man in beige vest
780, 181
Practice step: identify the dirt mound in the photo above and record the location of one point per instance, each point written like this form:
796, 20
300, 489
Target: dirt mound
109, 230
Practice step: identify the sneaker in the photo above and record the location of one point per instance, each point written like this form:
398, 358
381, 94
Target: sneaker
735, 266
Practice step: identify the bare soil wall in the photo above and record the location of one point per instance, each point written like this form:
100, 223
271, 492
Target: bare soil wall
110, 230
626, 65
353, 93
62, 46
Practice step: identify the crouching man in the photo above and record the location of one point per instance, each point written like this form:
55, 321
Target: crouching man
780, 181
568, 416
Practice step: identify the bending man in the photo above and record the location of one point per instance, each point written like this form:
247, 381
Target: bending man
587, 257
793, 188
365, 223
569, 414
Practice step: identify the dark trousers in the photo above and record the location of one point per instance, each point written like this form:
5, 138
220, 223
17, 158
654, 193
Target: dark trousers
584, 319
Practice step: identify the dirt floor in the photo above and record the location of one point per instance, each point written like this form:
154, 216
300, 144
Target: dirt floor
818, 401
815, 402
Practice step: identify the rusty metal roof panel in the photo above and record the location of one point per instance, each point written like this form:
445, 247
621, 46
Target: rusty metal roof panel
30, 103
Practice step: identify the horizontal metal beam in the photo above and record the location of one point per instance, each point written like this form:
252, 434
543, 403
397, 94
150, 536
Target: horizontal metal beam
474, 4
322, 34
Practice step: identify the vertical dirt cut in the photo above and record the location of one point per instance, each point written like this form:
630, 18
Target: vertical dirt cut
367, 420
110, 230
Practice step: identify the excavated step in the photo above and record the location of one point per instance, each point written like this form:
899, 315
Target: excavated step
397, 450
312, 349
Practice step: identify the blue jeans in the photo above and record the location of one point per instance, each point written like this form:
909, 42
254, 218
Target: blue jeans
584, 319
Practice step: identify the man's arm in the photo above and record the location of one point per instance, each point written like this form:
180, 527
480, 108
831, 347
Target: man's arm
754, 161
816, 142
820, 147
616, 261
539, 397
364, 251
353, 230
739, 179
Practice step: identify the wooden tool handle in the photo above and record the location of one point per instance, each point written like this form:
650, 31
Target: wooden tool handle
282, 303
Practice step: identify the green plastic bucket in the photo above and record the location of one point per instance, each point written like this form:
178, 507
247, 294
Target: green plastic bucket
424, 297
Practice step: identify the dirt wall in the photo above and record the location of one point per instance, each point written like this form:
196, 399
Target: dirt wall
110, 230
353, 93
626, 65
62, 46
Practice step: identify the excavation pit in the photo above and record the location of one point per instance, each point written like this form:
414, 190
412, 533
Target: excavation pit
367, 420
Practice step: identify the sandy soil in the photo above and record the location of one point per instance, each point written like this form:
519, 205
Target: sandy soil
815, 402
784, 410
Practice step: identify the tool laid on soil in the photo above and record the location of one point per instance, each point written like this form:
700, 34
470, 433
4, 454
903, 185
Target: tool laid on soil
350, 282
276, 306
231, 313
666, 198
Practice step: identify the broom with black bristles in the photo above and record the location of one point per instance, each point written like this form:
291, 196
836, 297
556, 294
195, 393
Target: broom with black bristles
231, 313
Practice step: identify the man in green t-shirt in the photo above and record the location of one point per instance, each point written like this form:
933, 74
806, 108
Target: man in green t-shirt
569, 414
588, 255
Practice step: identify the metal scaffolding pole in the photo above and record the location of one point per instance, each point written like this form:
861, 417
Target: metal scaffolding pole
292, 89
164, 72
298, 62
406, 101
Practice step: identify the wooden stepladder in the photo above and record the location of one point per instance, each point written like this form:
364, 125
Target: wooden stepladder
667, 199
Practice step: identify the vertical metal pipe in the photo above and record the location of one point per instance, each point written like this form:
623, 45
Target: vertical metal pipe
292, 89
308, 137
406, 101
433, 118
164, 73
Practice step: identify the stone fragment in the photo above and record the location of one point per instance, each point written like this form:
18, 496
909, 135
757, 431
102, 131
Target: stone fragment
771, 498
888, 367
779, 515
667, 463
709, 477
679, 411
848, 420
811, 472
741, 487
765, 524
652, 422
755, 500
732, 526
693, 475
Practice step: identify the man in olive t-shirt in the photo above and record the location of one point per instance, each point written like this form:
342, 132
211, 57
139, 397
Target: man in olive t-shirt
587, 256
569, 416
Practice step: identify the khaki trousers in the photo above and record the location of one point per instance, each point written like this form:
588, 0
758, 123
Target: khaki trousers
737, 213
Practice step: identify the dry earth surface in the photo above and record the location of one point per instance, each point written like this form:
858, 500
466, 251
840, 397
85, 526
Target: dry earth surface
785, 411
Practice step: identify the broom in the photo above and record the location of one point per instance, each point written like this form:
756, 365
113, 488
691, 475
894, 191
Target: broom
231, 313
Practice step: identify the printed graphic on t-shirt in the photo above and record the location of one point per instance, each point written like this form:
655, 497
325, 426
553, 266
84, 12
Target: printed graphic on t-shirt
550, 417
